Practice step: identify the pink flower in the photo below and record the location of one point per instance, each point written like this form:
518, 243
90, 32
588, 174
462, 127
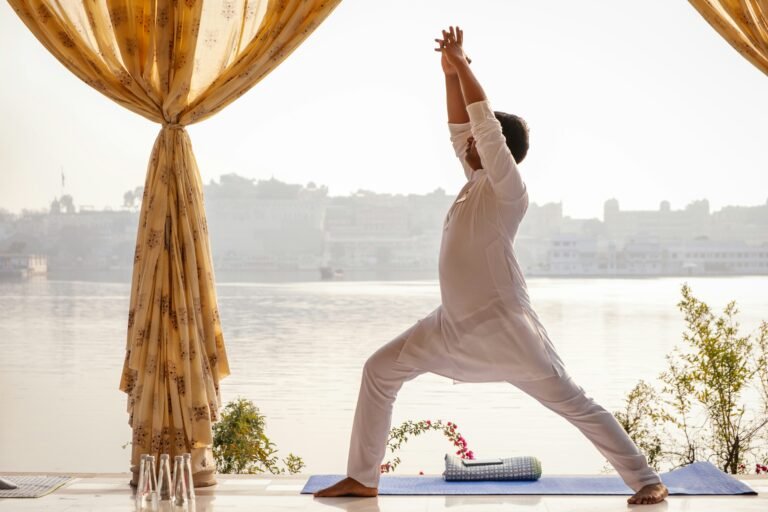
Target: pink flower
429, 423
470, 454
458, 452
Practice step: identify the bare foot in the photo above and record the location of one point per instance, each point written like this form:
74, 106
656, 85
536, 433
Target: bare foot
347, 487
650, 494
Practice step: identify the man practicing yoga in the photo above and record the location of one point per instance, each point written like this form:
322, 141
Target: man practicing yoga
485, 329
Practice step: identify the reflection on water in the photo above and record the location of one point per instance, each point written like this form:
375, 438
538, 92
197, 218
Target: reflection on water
297, 350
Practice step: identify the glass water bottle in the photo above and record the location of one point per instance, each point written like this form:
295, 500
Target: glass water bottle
150, 482
141, 484
164, 482
188, 476
179, 486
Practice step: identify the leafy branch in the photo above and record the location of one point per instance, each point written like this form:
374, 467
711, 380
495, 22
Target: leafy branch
401, 434
702, 393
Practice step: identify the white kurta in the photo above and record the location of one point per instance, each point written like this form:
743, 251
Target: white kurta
485, 330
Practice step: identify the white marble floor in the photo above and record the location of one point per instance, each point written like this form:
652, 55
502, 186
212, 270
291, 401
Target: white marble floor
107, 493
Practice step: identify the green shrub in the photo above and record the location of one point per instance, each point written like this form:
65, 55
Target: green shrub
700, 413
641, 421
240, 444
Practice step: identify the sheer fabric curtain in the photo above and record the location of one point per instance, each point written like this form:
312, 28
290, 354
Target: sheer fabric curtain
175, 62
743, 23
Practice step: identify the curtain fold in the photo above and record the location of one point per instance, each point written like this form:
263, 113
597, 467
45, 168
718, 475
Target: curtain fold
743, 23
175, 62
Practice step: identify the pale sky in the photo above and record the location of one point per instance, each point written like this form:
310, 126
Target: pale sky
641, 101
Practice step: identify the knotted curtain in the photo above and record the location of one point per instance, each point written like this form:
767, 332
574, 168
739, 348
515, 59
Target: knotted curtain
743, 23
175, 62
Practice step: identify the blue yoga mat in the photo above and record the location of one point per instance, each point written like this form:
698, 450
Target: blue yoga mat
699, 478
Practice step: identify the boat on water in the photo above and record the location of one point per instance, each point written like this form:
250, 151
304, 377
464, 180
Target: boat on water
331, 274
22, 266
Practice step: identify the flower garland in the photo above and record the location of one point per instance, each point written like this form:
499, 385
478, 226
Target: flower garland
401, 434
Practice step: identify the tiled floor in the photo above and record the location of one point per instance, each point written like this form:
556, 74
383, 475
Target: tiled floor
106, 493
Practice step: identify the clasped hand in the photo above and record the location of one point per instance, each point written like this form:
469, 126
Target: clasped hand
451, 48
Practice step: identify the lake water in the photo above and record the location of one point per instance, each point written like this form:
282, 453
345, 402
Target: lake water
297, 350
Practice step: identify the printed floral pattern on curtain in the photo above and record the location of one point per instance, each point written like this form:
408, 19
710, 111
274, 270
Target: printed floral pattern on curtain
743, 23
174, 62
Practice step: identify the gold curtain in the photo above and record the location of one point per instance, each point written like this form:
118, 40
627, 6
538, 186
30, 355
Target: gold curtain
743, 23
174, 62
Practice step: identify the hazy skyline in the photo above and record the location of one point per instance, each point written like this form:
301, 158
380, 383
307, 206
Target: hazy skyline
641, 102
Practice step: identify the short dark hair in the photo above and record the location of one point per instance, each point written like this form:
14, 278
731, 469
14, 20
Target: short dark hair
515, 130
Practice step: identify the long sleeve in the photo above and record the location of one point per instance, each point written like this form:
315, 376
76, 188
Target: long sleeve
497, 160
459, 135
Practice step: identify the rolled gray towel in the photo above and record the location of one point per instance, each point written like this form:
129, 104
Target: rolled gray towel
7, 484
513, 468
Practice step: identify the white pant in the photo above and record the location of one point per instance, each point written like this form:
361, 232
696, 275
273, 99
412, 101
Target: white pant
383, 377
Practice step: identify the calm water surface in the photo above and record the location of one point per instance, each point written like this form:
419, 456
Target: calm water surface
297, 350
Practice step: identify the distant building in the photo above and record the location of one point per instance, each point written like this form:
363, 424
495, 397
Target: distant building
663, 224
265, 224
7, 221
385, 232
583, 256
263, 228
741, 223
542, 220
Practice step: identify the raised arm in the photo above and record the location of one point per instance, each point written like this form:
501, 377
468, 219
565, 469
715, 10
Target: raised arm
457, 110
458, 119
491, 144
454, 57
